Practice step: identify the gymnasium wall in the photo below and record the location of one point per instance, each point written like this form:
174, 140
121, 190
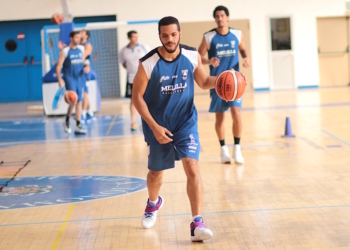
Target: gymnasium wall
303, 12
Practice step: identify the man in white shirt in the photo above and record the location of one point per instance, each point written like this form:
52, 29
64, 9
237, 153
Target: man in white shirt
129, 57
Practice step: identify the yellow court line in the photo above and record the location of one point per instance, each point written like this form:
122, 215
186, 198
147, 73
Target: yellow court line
72, 207
62, 227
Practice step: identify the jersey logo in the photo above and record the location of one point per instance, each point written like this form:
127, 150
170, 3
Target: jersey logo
184, 74
233, 44
164, 78
171, 89
219, 45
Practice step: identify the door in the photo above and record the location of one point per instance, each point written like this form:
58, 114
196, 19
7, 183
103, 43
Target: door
13, 63
281, 53
192, 35
333, 51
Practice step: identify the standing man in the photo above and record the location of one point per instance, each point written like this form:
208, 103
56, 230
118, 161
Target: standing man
87, 113
163, 95
72, 60
129, 57
223, 44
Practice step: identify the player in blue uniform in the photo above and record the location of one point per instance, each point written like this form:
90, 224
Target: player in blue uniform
87, 114
163, 94
72, 60
223, 44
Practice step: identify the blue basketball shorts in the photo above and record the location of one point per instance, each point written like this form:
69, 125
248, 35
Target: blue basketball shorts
163, 156
77, 87
218, 105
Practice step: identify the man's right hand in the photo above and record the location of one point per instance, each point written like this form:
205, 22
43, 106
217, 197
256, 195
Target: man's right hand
214, 62
60, 83
161, 135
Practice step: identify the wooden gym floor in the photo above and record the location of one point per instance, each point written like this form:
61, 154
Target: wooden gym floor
77, 192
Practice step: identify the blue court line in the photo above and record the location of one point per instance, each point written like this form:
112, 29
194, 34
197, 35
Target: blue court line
179, 215
262, 89
333, 136
308, 87
326, 105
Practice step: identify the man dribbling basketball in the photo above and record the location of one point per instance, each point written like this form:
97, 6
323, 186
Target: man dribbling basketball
72, 60
222, 45
163, 94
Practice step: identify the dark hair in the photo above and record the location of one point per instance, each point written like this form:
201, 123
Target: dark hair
131, 32
73, 33
220, 7
87, 33
165, 21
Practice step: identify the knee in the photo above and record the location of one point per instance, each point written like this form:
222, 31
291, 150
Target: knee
154, 176
192, 170
236, 113
219, 119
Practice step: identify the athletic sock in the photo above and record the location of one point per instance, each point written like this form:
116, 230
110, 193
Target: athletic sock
78, 123
84, 113
222, 142
237, 140
154, 202
194, 217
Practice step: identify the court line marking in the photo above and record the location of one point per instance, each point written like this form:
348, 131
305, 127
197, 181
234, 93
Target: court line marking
334, 137
178, 215
89, 172
100, 147
58, 237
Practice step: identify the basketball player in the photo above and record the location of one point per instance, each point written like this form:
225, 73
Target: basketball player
222, 44
87, 113
129, 57
163, 95
72, 60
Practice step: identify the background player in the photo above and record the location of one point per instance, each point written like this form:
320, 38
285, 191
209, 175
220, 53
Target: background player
129, 57
222, 44
72, 60
87, 113
163, 94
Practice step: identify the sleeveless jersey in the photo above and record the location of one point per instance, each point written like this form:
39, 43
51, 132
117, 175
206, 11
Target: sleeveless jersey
170, 92
73, 67
224, 47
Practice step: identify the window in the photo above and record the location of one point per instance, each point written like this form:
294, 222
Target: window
280, 34
11, 45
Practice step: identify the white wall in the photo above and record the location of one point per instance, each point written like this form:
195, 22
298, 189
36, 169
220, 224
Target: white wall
303, 12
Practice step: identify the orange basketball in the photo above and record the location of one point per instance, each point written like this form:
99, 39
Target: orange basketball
57, 18
71, 97
230, 85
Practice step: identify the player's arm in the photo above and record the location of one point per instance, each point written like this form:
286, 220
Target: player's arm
88, 50
138, 91
244, 53
203, 48
202, 79
59, 67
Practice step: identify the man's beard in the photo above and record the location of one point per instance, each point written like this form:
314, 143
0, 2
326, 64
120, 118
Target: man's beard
171, 51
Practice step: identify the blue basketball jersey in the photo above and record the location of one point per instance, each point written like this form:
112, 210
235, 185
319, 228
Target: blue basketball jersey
73, 67
224, 47
170, 92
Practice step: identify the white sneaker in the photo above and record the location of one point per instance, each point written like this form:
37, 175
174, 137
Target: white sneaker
67, 128
198, 230
237, 155
225, 155
150, 216
79, 130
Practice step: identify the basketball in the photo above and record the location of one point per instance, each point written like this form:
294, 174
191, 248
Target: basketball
70, 97
230, 85
57, 18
